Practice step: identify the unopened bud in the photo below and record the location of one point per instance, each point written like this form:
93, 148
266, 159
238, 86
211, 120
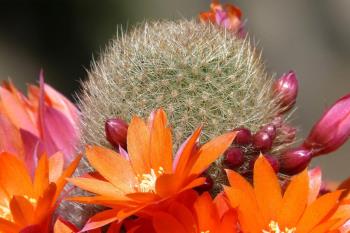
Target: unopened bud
286, 88
116, 131
332, 130
295, 160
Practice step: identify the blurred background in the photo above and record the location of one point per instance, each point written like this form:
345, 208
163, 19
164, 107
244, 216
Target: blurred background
310, 37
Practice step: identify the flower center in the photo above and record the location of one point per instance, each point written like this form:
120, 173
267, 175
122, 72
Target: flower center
274, 228
5, 211
147, 182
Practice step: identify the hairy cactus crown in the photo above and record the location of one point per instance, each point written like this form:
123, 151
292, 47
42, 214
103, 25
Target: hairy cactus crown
200, 74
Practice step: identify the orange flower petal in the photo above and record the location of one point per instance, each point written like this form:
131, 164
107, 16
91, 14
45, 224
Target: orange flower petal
267, 189
229, 222
294, 201
184, 216
165, 223
247, 210
317, 211
98, 186
100, 219
185, 152
61, 182
113, 167
160, 142
207, 216
22, 210
8, 227
315, 182
237, 181
324, 227
62, 226
56, 163
41, 177
138, 139
20, 182
210, 151
16, 112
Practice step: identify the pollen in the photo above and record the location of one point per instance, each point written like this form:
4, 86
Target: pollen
274, 228
147, 182
5, 211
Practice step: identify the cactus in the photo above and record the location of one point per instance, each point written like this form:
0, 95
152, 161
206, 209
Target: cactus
200, 74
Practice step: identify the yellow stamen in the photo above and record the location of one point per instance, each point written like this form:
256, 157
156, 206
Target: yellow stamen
274, 228
147, 182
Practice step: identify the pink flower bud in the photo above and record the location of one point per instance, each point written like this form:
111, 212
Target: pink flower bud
332, 130
286, 87
295, 161
116, 131
243, 136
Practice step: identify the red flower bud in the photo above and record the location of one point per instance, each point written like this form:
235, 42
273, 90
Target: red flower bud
116, 131
332, 130
273, 162
295, 160
243, 136
234, 157
286, 87
262, 141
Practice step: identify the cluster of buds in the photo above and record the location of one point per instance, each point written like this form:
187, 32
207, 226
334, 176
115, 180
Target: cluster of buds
247, 146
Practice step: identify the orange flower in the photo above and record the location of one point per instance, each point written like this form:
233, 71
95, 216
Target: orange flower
28, 205
188, 213
227, 16
128, 183
263, 208
205, 215
43, 121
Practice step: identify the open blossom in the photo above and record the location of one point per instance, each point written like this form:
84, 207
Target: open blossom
28, 204
190, 213
332, 130
227, 16
42, 121
263, 208
146, 174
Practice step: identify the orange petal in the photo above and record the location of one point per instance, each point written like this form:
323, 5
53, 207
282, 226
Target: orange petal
185, 152
237, 181
56, 163
21, 210
267, 189
316, 212
210, 151
20, 182
324, 227
294, 201
62, 226
113, 167
167, 185
45, 204
315, 182
16, 111
249, 216
228, 222
207, 216
10, 137
61, 182
41, 177
98, 187
100, 219
138, 139
9, 227
165, 223
161, 142
184, 216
